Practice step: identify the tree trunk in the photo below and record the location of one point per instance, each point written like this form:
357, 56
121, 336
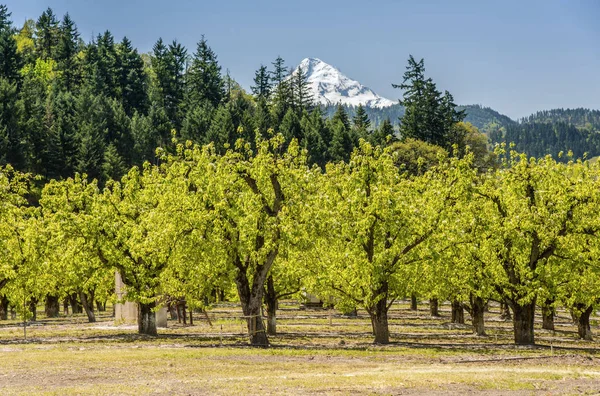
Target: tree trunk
505, 311
379, 318
76, 307
66, 306
4, 308
477, 313
88, 306
101, 306
271, 302
523, 316
583, 322
33, 309
183, 313
251, 300
147, 319
433, 307
548, 315
413, 302
458, 312
172, 308
52, 306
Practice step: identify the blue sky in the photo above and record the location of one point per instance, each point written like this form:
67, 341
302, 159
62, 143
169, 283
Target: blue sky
514, 56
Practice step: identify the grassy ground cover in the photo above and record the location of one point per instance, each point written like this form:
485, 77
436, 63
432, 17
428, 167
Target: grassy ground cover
316, 352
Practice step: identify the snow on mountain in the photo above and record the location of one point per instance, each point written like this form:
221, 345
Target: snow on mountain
330, 87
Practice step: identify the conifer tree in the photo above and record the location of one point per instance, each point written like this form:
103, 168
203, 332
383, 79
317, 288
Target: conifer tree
145, 139
342, 142
90, 135
302, 98
204, 80
282, 90
342, 116
429, 116
66, 54
290, 126
102, 57
262, 117
222, 130
380, 135
61, 148
168, 88
361, 122
113, 167
12, 149
197, 122
10, 61
47, 35
131, 79
316, 137
262, 84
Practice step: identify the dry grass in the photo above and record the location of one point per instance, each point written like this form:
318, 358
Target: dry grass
428, 356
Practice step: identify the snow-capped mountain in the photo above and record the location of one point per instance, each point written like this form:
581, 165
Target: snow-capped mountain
329, 86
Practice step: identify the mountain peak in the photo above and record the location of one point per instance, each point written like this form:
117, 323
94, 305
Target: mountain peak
330, 86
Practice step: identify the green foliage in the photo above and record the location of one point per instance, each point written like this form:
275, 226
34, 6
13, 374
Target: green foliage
429, 115
10, 61
204, 80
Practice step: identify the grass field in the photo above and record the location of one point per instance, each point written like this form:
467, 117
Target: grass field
316, 352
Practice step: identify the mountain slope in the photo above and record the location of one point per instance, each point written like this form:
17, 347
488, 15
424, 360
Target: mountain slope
330, 87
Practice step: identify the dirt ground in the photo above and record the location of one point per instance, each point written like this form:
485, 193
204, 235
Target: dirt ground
315, 352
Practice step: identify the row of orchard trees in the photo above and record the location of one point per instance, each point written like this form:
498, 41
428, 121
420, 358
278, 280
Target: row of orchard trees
364, 233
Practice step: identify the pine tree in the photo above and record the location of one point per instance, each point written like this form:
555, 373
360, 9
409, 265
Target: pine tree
316, 137
145, 138
282, 91
61, 144
118, 125
262, 117
290, 126
103, 67
342, 144
90, 135
262, 84
450, 117
47, 35
429, 116
204, 80
197, 122
131, 79
10, 61
361, 122
161, 125
168, 86
12, 148
302, 98
342, 116
66, 54
113, 167
222, 131
380, 136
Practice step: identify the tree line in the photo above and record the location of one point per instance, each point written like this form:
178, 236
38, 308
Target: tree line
101, 107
